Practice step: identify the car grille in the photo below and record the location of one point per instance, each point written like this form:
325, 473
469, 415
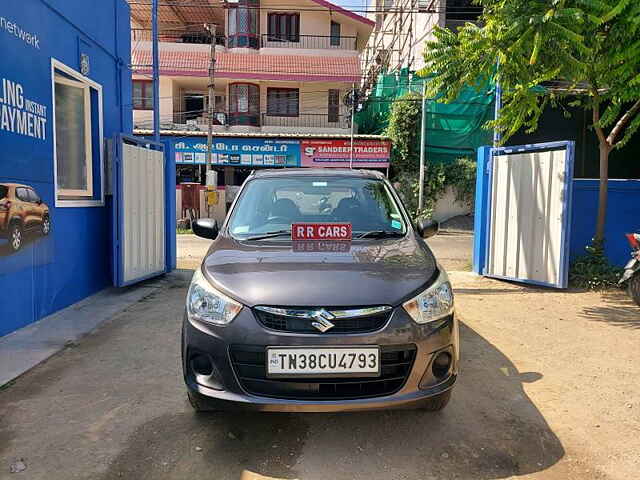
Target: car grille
249, 364
364, 324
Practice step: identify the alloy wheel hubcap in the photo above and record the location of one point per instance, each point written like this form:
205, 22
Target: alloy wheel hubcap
17, 238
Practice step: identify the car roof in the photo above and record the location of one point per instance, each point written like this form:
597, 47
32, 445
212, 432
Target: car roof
325, 172
14, 185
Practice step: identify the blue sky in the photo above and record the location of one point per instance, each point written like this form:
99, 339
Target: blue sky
351, 4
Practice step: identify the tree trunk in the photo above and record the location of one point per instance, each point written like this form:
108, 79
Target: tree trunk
603, 194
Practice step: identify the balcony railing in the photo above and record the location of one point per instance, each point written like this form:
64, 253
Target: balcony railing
176, 36
194, 119
306, 120
231, 119
313, 42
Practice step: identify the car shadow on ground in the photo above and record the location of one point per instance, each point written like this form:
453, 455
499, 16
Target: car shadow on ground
490, 430
616, 309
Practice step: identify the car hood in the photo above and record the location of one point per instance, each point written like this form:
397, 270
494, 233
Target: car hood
330, 274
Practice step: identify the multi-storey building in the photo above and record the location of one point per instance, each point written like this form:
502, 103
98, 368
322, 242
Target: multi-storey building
282, 71
401, 29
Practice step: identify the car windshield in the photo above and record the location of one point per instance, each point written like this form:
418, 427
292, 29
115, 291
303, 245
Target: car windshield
3, 191
271, 205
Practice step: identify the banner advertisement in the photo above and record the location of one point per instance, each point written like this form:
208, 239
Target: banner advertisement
241, 152
337, 153
26, 176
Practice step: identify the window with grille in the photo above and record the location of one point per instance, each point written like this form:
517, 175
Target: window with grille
335, 34
333, 107
283, 102
244, 98
243, 24
142, 95
283, 27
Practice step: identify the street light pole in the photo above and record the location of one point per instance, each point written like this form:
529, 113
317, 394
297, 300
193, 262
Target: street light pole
155, 71
423, 146
353, 114
497, 137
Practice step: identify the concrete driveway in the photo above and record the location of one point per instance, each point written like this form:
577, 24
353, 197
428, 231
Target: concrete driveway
548, 390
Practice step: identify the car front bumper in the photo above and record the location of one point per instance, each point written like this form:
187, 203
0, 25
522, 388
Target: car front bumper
224, 390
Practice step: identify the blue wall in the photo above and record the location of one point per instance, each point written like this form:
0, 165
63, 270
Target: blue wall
52, 272
623, 216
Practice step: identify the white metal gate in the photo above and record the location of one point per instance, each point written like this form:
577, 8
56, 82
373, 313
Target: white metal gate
529, 213
139, 209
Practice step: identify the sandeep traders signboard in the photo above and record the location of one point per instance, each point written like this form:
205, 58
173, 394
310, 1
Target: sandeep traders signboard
241, 152
337, 153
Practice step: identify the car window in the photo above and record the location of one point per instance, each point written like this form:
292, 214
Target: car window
33, 196
3, 191
270, 204
21, 194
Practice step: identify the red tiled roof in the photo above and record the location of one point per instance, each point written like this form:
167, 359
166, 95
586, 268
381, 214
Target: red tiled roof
251, 65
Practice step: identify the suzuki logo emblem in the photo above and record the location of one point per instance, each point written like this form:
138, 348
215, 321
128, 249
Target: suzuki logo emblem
322, 320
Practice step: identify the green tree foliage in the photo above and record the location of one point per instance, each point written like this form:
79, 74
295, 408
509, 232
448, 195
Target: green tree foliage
404, 132
584, 49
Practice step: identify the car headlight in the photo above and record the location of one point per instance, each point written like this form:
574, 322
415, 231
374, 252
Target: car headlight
434, 303
206, 304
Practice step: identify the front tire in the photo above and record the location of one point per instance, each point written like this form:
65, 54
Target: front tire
634, 288
15, 237
437, 402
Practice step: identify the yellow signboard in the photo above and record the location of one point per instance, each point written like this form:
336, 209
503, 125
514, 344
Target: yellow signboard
212, 197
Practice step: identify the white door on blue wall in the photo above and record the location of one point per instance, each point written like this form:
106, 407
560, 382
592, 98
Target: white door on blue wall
529, 216
139, 208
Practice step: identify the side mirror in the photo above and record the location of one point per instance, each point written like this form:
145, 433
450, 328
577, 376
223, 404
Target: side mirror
205, 228
427, 228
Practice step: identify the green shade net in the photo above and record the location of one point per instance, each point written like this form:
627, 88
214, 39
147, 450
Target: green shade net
454, 129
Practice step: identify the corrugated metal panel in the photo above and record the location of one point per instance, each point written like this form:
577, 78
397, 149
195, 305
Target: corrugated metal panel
143, 235
527, 217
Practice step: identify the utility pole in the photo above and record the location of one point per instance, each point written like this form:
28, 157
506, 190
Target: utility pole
212, 96
423, 146
353, 114
211, 184
156, 71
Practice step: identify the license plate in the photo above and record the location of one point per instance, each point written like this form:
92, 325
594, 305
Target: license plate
323, 362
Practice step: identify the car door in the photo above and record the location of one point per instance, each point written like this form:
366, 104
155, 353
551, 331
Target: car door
23, 207
36, 206
30, 207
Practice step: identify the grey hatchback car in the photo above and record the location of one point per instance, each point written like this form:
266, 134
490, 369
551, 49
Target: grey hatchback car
357, 315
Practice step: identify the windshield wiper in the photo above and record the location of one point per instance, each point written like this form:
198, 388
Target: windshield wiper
275, 233
381, 234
